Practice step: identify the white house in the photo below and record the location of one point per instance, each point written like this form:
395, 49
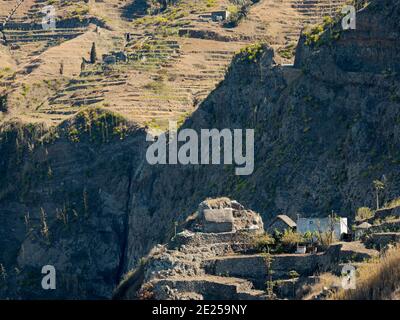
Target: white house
337, 225
220, 15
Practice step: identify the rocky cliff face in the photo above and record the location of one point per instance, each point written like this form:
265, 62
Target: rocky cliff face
216, 255
83, 198
323, 133
183, 262
64, 202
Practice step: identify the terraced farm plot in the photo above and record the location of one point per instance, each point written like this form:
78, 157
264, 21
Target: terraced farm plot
173, 59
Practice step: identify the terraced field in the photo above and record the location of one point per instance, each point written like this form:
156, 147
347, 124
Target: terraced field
171, 60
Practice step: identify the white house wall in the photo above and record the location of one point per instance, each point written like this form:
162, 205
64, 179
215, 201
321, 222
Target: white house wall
321, 225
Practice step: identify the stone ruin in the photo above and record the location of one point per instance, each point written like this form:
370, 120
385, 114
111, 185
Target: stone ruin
178, 270
225, 215
212, 258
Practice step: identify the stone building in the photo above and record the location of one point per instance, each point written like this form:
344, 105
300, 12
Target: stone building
218, 220
220, 15
224, 215
281, 223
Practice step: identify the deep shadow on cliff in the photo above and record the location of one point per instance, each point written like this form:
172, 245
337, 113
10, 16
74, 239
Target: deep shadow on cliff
324, 130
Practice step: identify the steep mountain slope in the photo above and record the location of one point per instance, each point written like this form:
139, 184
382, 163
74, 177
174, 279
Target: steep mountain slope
324, 129
64, 199
173, 55
322, 133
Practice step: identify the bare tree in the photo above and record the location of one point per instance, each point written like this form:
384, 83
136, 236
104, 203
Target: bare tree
378, 185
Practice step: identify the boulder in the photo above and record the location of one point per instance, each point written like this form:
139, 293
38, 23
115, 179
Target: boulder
226, 215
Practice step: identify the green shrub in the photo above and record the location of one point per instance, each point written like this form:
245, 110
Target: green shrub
210, 3
73, 134
288, 51
252, 52
263, 242
314, 35
290, 239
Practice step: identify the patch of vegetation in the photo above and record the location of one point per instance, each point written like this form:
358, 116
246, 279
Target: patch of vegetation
237, 13
290, 239
73, 134
392, 204
158, 86
153, 124
251, 53
77, 11
98, 125
182, 119
288, 51
5, 73
322, 33
25, 89
263, 242
364, 213
211, 3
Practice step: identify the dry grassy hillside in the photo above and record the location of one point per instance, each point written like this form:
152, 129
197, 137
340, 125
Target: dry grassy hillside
173, 57
377, 280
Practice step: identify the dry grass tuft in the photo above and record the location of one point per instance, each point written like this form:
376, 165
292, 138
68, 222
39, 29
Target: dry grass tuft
376, 280
393, 204
325, 280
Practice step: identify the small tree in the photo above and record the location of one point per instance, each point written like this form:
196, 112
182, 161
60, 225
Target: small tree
293, 276
269, 283
175, 228
333, 219
326, 238
378, 185
93, 54
83, 64
44, 229
62, 68
3, 103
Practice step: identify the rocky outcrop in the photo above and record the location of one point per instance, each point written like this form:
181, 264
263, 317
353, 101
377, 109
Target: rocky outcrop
199, 264
322, 133
180, 269
63, 202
